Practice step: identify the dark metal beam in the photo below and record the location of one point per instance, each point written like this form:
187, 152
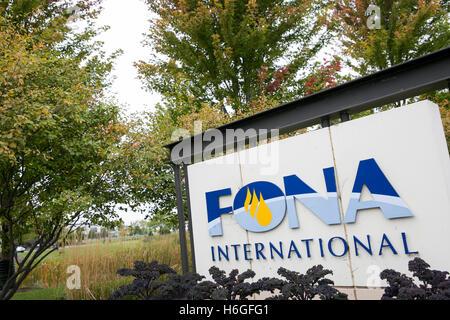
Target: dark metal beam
409, 79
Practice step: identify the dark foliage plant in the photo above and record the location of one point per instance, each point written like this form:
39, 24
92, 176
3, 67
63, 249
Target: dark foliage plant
307, 286
233, 286
147, 282
428, 285
155, 281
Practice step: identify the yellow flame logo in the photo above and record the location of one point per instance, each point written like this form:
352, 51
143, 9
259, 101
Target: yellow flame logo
262, 212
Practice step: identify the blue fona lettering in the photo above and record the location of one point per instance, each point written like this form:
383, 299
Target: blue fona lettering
214, 210
384, 195
326, 210
260, 206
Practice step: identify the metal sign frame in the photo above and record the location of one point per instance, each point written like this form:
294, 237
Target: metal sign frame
420, 75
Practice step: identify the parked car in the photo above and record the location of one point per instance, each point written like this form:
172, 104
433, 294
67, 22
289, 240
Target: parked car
20, 249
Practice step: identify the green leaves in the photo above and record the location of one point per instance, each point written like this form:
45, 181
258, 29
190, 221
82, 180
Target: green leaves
217, 61
62, 160
408, 29
213, 51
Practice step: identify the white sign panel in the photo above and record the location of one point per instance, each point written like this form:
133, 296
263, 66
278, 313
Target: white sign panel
363, 195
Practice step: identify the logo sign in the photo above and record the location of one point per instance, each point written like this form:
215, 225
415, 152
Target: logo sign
367, 194
261, 206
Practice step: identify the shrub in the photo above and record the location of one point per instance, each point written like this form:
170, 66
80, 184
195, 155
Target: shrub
146, 282
155, 281
233, 286
433, 284
307, 286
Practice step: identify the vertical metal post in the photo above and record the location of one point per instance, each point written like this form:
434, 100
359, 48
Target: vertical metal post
181, 223
191, 232
345, 116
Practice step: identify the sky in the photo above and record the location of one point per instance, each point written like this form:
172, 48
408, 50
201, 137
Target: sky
128, 20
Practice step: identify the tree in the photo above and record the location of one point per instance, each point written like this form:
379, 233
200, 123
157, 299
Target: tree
212, 51
60, 138
93, 234
407, 29
325, 76
217, 61
145, 166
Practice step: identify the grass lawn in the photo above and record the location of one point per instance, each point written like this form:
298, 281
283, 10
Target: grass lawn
58, 293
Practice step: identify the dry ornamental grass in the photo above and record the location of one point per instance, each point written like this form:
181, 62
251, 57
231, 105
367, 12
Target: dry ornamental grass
99, 261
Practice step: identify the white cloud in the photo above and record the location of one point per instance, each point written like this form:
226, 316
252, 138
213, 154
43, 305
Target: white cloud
128, 21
